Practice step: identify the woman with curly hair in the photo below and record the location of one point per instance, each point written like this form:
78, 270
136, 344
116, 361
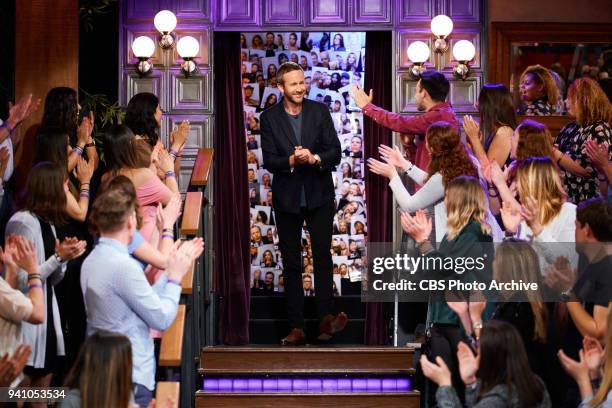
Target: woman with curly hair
590, 107
538, 91
449, 159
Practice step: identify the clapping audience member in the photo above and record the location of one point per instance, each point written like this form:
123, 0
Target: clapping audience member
599, 157
588, 104
594, 366
117, 295
45, 208
498, 376
467, 235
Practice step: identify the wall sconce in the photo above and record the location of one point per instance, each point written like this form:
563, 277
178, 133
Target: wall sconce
418, 53
188, 47
143, 48
165, 22
441, 27
463, 52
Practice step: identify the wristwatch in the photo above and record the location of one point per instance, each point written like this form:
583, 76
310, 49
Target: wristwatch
317, 159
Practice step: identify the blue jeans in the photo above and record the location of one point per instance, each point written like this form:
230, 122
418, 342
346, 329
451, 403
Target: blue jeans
142, 395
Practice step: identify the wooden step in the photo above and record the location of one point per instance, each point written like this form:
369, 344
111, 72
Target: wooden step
306, 360
275, 400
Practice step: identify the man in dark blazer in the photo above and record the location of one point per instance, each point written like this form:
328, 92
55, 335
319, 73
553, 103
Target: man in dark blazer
301, 149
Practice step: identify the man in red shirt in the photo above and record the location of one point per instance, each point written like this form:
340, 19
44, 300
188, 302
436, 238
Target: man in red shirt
432, 90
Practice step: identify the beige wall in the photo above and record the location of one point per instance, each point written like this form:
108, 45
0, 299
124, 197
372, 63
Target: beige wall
577, 11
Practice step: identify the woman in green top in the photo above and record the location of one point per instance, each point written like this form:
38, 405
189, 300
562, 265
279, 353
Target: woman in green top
467, 237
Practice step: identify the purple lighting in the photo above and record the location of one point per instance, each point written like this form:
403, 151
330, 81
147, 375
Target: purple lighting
241, 385
255, 384
389, 385
315, 385
225, 385
284, 384
373, 384
308, 384
270, 384
360, 385
330, 385
403, 384
300, 384
211, 384
345, 385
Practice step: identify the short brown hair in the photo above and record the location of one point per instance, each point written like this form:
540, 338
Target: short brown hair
597, 214
534, 140
285, 68
111, 209
45, 195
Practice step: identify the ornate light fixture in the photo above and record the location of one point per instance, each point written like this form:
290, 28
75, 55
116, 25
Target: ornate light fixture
418, 53
188, 47
165, 23
143, 48
463, 52
441, 27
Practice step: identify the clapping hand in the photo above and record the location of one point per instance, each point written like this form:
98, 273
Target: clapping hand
438, 373
468, 363
382, 169
70, 248
418, 227
530, 212
471, 129
10, 368
511, 216
393, 156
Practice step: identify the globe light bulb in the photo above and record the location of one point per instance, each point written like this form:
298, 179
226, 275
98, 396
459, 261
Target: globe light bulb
441, 25
464, 50
165, 21
143, 47
418, 52
187, 47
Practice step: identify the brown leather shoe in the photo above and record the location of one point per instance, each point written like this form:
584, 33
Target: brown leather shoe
296, 337
331, 325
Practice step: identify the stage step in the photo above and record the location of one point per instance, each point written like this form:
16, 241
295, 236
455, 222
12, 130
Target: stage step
306, 360
265, 376
268, 320
328, 400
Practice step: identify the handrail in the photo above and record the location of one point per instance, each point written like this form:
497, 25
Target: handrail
202, 166
187, 282
192, 213
171, 347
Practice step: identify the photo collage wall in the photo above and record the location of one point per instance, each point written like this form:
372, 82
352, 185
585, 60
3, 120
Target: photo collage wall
332, 62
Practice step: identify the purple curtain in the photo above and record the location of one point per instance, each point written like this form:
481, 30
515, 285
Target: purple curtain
378, 196
231, 220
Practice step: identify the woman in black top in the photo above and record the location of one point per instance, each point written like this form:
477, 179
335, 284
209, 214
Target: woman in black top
538, 91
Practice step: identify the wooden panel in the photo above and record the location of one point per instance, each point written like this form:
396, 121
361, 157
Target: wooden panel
464, 94
46, 49
192, 93
192, 213
187, 282
327, 12
408, 89
171, 347
200, 127
154, 83
328, 400
192, 9
411, 11
165, 390
282, 12
462, 10
139, 9
226, 360
238, 13
372, 12
201, 169
553, 123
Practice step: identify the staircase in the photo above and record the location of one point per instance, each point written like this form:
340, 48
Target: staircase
306, 377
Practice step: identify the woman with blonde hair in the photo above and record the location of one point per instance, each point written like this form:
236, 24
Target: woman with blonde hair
543, 213
590, 107
449, 159
468, 236
538, 92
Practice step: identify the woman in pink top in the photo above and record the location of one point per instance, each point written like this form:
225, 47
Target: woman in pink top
131, 157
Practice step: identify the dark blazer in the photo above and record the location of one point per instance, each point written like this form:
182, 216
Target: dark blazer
278, 143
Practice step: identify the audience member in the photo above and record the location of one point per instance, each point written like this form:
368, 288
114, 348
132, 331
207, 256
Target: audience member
538, 92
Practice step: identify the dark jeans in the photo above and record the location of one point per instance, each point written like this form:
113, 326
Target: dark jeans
319, 222
142, 395
443, 342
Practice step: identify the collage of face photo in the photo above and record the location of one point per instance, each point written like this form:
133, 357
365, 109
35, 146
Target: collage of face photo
332, 62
